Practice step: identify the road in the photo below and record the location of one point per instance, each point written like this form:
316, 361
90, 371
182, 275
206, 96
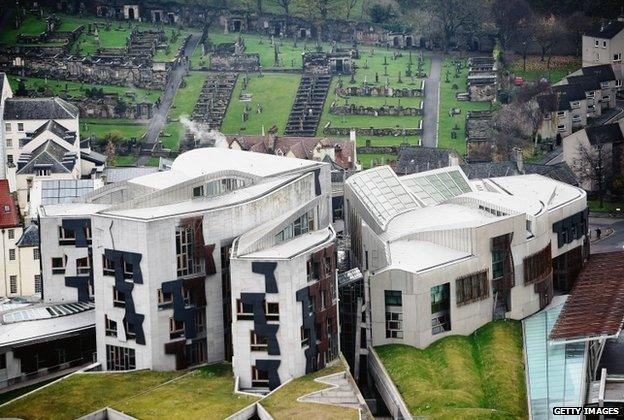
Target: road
158, 120
613, 242
432, 97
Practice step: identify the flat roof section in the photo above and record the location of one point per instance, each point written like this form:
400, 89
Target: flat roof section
595, 307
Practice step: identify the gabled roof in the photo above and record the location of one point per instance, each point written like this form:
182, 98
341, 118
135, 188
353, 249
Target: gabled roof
39, 109
30, 237
53, 127
418, 159
50, 155
569, 93
607, 133
9, 216
605, 30
603, 72
587, 314
559, 172
587, 82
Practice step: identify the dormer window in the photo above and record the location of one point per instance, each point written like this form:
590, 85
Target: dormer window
617, 57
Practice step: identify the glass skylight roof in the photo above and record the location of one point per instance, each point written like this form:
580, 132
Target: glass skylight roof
434, 188
32, 314
555, 371
382, 193
65, 190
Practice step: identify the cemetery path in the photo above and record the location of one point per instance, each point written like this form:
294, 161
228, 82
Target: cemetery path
432, 99
158, 120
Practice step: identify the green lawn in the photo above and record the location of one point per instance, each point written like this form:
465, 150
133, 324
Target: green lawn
367, 159
283, 404
183, 105
474, 377
125, 160
204, 393
77, 89
100, 127
31, 26
536, 69
174, 47
274, 92
608, 207
448, 102
153, 161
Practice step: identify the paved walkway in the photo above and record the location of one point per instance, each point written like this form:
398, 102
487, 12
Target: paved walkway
612, 242
341, 392
432, 99
158, 120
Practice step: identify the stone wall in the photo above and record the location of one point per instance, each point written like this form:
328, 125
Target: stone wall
372, 131
246, 62
386, 91
108, 108
482, 92
355, 109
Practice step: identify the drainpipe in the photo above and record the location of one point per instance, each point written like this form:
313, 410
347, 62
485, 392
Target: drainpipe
6, 291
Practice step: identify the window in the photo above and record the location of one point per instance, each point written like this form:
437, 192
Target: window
3, 361
200, 321
575, 104
120, 358
165, 299
302, 225
7, 127
38, 284
596, 43
128, 270
259, 378
36, 253
323, 299
20, 126
222, 186
590, 94
440, 308
394, 313
176, 328
13, 280
66, 236
110, 327
618, 83
244, 311
561, 128
198, 191
617, 57
305, 337
258, 342
129, 327
538, 266
472, 288
12, 254
498, 263
119, 298
313, 270
9, 142
272, 311
10, 159
604, 44
108, 266
58, 265
43, 172
606, 98
83, 265
187, 262
311, 304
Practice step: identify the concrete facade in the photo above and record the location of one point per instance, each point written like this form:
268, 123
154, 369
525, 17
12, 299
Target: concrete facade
424, 241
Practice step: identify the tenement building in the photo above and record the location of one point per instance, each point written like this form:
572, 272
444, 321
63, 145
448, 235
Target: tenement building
444, 255
228, 255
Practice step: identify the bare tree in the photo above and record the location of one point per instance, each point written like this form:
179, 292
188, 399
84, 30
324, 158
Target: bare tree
547, 34
593, 164
350, 4
514, 126
578, 23
510, 17
456, 17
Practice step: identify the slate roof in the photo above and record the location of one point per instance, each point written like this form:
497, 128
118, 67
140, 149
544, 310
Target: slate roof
587, 82
55, 128
559, 172
51, 154
418, 159
30, 237
38, 109
588, 314
607, 133
301, 147
605, 30
95, 157
603, 72
9, 216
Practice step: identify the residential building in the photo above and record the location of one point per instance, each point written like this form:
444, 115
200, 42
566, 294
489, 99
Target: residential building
600, 144
564, 108
20, 272
227, 255
604, 44
41, 140
443, 255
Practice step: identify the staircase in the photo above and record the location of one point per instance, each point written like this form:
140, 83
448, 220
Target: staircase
308, 107
214, 99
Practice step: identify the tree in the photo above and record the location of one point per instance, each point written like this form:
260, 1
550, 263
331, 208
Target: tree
111, 155
593, 164
547, 34
21, 88
514, 126
457, 18
509, 16
577, 24
379, 13
350, 5
285, 4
